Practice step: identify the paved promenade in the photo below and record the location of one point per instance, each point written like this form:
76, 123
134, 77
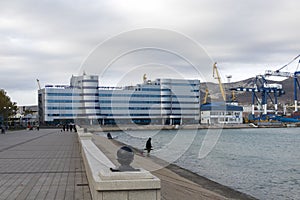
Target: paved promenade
177, 183
43, 164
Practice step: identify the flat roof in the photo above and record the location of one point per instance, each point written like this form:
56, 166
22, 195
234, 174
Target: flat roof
217, 106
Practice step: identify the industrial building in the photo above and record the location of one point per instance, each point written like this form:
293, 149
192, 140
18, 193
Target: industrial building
163, 102
221, 113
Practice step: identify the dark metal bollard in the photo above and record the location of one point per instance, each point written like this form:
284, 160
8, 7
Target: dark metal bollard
125, 156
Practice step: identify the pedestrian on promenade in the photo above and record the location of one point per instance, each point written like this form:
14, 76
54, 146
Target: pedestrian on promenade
2, 129
64, 127
148, 146
75, 129
109, 136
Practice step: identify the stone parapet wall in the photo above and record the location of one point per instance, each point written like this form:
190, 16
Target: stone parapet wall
107, 185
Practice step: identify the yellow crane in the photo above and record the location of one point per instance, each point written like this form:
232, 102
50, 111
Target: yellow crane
206, 96
233, 97
145, 78
38, 82
216, 75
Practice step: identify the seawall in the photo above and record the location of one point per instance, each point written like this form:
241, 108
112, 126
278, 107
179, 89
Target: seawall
177, 183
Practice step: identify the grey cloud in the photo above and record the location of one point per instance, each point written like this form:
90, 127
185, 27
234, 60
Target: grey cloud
51, 39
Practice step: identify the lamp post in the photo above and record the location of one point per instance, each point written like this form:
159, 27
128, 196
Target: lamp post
5, 115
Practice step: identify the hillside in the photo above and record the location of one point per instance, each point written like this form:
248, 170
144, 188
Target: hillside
246, 97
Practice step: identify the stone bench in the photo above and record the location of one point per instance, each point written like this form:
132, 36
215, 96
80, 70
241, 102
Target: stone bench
107, 185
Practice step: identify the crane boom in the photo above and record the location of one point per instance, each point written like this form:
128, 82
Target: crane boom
216, 75
38, 82
278, 73
288, 63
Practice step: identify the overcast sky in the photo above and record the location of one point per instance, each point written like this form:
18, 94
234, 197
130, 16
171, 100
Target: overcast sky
51, 40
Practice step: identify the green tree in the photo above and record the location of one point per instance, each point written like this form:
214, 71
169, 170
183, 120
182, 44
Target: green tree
7, 108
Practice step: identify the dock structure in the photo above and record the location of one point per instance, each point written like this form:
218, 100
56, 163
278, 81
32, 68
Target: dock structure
44, 164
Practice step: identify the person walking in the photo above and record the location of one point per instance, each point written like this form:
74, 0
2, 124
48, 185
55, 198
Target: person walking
75, 129
148, 146
109, 136
2, 129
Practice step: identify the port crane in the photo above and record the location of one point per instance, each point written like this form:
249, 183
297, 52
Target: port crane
206, 96
295, 76
216, 75
296, 86
261, 86
38, 82
266, 91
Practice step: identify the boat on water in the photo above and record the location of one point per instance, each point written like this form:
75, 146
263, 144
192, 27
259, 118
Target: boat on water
288, 120
253, 125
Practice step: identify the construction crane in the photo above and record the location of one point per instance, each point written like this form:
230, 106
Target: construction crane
216, 75
38, 82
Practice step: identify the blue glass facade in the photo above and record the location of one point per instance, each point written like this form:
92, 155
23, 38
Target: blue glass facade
163, 101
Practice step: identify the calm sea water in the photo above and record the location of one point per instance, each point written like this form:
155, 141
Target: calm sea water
264, 163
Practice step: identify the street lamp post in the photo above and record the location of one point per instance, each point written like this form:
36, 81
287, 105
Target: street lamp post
6, 110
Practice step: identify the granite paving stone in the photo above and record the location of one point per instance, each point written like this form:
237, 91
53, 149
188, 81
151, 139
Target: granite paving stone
44, 164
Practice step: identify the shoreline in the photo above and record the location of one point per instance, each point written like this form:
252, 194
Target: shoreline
98, 128
203, 182
210, 185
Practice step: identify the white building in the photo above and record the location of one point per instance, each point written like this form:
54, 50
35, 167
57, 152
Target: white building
221, 113
163, 101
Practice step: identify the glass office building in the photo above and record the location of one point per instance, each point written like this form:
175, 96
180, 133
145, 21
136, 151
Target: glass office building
162, 102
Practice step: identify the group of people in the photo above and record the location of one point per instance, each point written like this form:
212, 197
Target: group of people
67, 127
30, 127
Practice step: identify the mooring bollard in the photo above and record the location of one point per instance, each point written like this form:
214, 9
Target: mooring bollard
125, 156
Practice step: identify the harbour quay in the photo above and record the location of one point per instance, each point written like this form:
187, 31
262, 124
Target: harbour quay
51, 164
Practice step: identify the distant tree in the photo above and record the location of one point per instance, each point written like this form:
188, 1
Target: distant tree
7, 108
